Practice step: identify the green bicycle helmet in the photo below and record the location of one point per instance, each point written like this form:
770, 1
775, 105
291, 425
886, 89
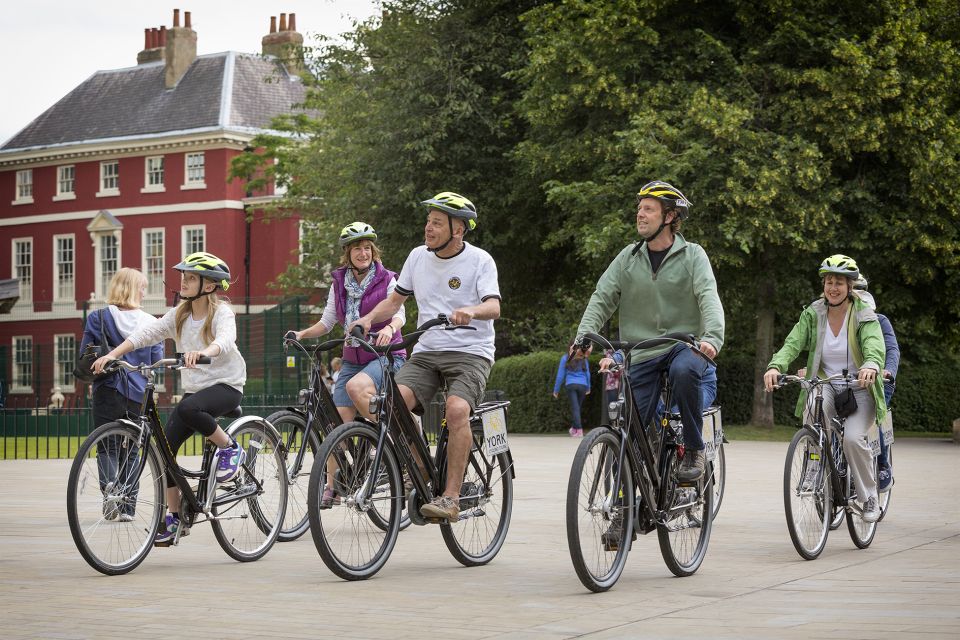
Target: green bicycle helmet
841, 265
669, 195
206, 265
455, 205
356, 231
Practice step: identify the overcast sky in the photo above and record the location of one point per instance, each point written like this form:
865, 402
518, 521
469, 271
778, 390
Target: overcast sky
48, 47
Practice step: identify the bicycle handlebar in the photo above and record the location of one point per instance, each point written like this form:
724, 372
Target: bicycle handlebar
785, 378
171, 363
677, 338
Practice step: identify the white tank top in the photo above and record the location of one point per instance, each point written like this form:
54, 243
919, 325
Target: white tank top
835, 356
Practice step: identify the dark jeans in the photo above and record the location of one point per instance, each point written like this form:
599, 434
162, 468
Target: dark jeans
685, 371
198, 412
116, 467
577, 394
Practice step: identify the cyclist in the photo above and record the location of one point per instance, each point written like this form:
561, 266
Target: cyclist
890, 367
359, 284
447, 275
841, 333
203, 326
663, 284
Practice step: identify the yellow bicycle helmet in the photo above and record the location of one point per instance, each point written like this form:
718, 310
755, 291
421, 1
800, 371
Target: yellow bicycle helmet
840, 265
356, 231
666, 193
453, 204
206, 265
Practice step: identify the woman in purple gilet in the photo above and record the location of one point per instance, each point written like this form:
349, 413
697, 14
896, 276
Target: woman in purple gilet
358, 285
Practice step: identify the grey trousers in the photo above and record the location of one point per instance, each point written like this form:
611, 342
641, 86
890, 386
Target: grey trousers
856, 447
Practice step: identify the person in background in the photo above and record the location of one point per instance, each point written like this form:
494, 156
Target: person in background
573, 374
119, 395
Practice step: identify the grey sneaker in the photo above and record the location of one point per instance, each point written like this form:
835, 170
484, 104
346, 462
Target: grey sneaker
611, 537
810, 477
692, 467
443, 507
871, 510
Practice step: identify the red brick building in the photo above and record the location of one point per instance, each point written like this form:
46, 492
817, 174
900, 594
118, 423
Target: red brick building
130, 170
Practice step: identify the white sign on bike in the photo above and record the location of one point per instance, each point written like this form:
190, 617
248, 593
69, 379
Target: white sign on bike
495, 431
886, 427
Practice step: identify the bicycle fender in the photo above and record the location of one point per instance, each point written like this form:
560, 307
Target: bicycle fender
239, 422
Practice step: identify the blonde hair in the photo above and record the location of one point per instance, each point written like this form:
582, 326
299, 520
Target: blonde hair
124, 290
186, 306
374, 252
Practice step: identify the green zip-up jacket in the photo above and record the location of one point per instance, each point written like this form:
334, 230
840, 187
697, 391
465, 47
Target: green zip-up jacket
680, 297
866, 347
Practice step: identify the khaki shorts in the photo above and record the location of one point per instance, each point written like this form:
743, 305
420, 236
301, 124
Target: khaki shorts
465, 373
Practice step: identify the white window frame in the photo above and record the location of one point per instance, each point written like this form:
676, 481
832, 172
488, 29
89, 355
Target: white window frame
26, 289
23, 187
144, 257
158, 187
194, 182
61, 193
15, 386
185, 251
102, 284
106, 191
63, 377
57, 297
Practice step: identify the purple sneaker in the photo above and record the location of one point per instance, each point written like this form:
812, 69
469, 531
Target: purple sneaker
169, 530
229, 461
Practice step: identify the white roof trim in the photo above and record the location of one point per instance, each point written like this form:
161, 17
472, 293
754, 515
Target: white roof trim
185, 207
226, 90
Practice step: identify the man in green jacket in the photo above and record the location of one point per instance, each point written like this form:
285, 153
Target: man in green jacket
663, 284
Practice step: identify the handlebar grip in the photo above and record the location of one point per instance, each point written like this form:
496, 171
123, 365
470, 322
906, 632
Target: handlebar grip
204, 360
357, 332
290, 335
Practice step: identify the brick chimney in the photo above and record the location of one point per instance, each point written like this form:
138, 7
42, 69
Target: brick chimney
285, 43
180, 50
154, 41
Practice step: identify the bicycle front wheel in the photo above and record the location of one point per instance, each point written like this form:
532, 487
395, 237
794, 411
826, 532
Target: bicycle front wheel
600, 507
115, 498
346, 536
296, 437
719, 478
486, 503
249, 510
808, 505
685, 532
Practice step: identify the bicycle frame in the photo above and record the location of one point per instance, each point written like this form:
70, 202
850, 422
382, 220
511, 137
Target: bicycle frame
826, 433
321, 411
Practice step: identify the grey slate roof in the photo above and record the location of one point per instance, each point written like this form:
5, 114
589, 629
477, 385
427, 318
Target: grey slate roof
133, 102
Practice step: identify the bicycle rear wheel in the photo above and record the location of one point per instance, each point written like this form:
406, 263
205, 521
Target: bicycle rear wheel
294, 433
861, 532
600, 508
486, 504
249, 509
115, 499
346, 537
886, 495
685, 533
810, 511
719, 478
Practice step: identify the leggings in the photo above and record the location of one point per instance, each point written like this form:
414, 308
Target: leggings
198, 412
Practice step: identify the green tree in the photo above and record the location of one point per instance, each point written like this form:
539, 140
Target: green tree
798, 130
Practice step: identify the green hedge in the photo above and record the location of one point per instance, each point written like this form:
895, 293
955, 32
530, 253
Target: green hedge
924, 400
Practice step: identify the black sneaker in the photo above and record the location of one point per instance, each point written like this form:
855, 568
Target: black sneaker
692, 467
611, 537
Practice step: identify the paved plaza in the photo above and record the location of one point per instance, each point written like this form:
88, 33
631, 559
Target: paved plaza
752, 583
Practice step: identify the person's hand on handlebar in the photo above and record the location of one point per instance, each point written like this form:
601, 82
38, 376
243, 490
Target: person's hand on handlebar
605, 364
461, 316
190, 359
385, 335
707, 349
770, 379
364, 324
866, 377
101, 363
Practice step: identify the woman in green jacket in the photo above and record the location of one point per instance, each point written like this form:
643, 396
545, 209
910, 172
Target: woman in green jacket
840, 332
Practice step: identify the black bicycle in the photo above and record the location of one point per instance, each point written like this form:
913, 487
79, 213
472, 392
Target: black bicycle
623, 480
116, 496
817, 482
375, 460
302, 428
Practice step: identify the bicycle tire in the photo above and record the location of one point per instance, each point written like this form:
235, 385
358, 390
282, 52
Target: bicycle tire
485, 510
248, 527
383, 489
809, 513
684, 538
590, 515
719, 479
886, 495
348, 541
861, 532
292, 426
100, 488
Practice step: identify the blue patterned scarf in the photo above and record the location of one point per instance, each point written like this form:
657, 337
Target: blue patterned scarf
355, 291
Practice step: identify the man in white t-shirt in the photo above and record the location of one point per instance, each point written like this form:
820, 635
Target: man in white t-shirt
450, 276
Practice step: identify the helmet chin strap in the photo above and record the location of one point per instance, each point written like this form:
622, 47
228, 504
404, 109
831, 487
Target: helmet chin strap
357, 272
449, 240
839, 304
663, 224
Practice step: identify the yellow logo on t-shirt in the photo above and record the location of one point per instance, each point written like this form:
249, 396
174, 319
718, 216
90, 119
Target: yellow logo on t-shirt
454, 282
